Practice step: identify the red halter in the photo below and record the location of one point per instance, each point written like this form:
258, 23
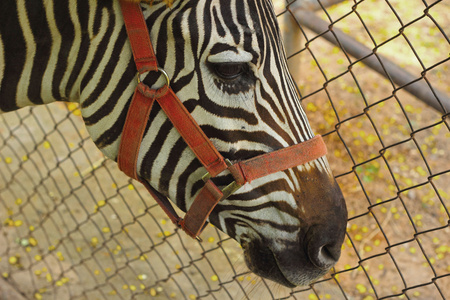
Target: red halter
137, 118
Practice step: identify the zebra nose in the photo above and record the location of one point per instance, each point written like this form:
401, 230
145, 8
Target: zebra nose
324, 247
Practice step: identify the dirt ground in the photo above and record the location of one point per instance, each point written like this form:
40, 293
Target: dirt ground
74, 227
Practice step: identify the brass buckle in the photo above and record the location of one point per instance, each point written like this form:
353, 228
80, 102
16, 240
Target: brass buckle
229, 189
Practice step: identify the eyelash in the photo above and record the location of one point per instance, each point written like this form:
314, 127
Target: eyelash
229, 71
236, 85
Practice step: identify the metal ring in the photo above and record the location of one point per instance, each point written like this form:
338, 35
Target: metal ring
161, 70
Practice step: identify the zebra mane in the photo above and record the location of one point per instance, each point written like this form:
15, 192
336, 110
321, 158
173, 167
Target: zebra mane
150, 2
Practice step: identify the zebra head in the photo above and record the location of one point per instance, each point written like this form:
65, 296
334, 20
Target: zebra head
227, 64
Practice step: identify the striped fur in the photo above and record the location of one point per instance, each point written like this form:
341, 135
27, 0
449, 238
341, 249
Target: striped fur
61, 50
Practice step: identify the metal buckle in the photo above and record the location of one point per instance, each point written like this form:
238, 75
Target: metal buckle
161, 70
197, 237
229, 189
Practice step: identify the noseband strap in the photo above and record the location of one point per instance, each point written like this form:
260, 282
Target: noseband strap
214, 163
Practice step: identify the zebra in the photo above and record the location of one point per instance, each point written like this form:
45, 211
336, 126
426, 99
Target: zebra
227, 64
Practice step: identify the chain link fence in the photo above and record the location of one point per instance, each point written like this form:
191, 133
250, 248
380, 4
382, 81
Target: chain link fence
373, 76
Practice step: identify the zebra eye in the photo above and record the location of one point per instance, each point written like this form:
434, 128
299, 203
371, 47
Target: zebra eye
228, 71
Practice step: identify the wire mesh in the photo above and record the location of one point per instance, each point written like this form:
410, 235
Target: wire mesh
74, 227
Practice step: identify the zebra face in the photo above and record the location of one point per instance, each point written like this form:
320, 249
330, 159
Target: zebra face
228, 66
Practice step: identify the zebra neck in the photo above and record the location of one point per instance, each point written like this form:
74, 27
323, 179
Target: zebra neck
59, 50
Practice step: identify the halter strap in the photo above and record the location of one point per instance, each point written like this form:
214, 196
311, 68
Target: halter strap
214, 163
137, 31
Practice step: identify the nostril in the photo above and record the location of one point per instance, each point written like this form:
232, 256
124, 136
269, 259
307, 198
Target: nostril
323, 256
324, 241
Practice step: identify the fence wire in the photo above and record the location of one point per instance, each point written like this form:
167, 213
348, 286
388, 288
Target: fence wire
74, 227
